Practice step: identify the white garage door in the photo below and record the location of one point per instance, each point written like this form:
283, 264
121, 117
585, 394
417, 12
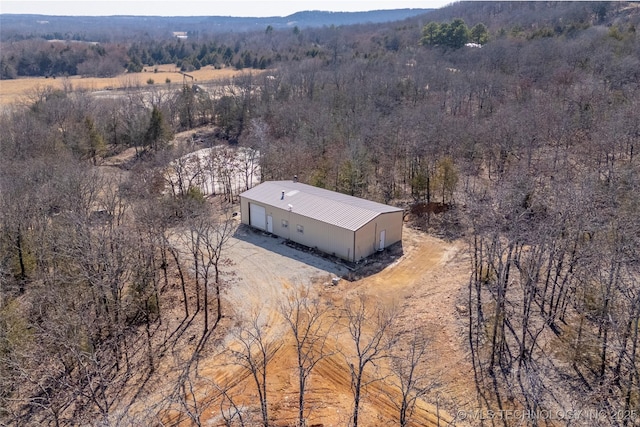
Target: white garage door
257, 216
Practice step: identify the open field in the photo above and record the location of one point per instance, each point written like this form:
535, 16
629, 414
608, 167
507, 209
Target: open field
24, 89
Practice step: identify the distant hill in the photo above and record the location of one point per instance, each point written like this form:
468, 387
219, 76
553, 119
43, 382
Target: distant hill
95, 27
318, 18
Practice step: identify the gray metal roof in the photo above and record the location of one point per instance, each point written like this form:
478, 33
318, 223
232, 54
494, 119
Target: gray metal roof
327, 206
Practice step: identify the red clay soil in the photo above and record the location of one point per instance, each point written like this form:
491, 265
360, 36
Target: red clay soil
425, 285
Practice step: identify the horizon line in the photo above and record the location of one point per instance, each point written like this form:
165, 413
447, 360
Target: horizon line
210, 16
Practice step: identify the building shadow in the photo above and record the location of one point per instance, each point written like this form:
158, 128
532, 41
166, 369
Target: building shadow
376, 262
336, 266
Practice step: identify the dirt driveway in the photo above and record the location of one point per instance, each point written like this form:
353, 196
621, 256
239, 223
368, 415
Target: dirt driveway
425, 284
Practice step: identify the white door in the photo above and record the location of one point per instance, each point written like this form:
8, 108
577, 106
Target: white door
269, 223
257, 216
382, 236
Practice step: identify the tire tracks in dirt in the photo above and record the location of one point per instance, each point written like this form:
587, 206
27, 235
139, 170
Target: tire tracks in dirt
424, 285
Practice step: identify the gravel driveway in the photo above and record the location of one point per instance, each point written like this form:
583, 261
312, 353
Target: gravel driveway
263, 269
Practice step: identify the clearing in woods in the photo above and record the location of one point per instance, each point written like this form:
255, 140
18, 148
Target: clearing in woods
425, 284
23, 89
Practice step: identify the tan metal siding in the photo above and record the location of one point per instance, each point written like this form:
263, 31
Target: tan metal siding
366, 240
278, 215
340, 242
330, 238
244, 210
368, 235
322, 236
392, 222
317, 234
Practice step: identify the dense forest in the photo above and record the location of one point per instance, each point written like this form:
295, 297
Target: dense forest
124, 28
53, 46
529, 138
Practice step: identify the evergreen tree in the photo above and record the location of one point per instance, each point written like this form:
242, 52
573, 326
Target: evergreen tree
479, 34
454, 35
158, 133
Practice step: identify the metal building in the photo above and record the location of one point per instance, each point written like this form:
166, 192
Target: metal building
345, 226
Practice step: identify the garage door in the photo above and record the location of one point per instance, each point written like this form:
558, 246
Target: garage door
257, 216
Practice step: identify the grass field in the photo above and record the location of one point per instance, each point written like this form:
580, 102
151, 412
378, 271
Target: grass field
23, 90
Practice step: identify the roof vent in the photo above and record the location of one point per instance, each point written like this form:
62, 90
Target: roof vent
290, 207
282, 197
295, 178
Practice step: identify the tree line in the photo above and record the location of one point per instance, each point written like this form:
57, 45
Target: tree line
59, 54
58, 58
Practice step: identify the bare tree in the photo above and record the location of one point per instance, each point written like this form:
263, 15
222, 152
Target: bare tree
407, 365
308, 323
248, 165
368, 324
214, 238
190, 403
229, 409
255, 353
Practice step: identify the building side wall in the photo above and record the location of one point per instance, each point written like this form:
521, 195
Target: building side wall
393, 223
314, 234
244, 210
367, 236
320, 235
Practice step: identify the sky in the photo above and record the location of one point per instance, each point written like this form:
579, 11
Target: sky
245, 8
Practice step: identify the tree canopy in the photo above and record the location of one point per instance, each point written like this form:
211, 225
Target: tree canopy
453, 35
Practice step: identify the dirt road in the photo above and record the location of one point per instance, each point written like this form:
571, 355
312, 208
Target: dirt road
425, 284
